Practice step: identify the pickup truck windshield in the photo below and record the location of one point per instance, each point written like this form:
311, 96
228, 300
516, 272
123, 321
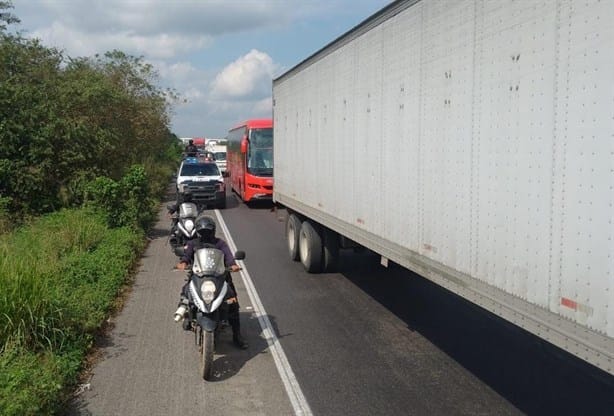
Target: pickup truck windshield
200, 169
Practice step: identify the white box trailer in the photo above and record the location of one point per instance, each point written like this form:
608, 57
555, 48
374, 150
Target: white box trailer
471, 142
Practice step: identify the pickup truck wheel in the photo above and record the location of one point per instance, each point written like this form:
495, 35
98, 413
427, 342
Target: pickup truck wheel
310, 248
331, 251
293, 228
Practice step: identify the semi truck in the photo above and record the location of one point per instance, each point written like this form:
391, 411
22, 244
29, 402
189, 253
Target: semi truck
471, 142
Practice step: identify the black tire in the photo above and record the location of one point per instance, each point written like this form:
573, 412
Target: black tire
222, 205
206, 346
330, 260
310, 248
293, 229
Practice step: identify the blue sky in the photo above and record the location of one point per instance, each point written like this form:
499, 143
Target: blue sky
219, 55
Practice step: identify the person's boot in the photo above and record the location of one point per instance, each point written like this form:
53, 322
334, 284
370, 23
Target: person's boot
235, 323
238, 340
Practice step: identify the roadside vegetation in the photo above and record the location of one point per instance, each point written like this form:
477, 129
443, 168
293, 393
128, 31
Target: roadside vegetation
59, 278
85, 155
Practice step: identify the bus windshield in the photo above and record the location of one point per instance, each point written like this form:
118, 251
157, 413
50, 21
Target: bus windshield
260, 153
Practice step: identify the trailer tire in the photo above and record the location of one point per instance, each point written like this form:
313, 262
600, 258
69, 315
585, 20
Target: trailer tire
330, 251
293, 228
310, 248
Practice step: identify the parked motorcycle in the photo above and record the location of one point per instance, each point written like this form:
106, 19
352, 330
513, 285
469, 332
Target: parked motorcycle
182, 224
205, 306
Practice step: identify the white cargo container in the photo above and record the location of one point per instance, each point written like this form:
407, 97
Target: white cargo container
471, 142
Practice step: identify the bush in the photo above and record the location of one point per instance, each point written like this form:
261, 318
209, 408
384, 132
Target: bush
33, 383
126, 203
60, 278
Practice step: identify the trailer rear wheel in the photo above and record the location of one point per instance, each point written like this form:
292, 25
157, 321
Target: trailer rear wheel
331, 251
310, 248
293, 228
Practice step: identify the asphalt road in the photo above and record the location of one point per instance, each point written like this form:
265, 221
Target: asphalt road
364, 341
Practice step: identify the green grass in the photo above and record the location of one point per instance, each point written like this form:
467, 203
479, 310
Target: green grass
59, 278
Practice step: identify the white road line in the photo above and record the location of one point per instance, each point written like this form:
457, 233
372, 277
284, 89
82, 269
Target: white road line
295, 394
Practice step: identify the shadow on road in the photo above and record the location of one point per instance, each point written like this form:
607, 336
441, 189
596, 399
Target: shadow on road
260, 204
233, 200
228, 359
534, 375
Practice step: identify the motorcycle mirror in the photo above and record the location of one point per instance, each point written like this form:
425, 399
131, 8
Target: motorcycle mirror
239, 255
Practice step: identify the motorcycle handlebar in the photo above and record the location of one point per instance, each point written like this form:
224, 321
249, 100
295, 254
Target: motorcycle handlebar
189, 269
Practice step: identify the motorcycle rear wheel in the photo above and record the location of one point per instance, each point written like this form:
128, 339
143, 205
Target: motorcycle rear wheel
206, 349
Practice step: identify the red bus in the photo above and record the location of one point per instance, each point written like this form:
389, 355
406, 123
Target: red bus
249, 159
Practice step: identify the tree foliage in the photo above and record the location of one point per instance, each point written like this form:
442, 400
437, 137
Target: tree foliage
6, 17
67, 120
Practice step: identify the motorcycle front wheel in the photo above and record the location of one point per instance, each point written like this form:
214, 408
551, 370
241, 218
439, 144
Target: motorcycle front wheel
206, 356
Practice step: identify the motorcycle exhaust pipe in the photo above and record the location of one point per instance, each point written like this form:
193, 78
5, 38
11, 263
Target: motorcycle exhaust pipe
180, 313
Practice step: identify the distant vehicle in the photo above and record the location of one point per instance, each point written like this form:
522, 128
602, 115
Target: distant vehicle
250, 159
219, 155
204, 180
183, 217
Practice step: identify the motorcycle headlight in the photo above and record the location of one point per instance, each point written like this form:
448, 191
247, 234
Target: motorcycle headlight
207, 290
189, 225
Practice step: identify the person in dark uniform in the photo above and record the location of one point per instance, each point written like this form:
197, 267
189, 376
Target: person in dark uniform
191, 150
205, 228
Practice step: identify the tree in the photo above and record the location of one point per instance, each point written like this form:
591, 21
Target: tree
7, 18
65, 121
28, 80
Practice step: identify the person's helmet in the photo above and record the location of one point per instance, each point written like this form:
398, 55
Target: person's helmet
205, 227
187, 196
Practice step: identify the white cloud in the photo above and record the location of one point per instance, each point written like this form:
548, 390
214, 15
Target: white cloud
263, 108
179, 71
153, 28
248, 77
160, 46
